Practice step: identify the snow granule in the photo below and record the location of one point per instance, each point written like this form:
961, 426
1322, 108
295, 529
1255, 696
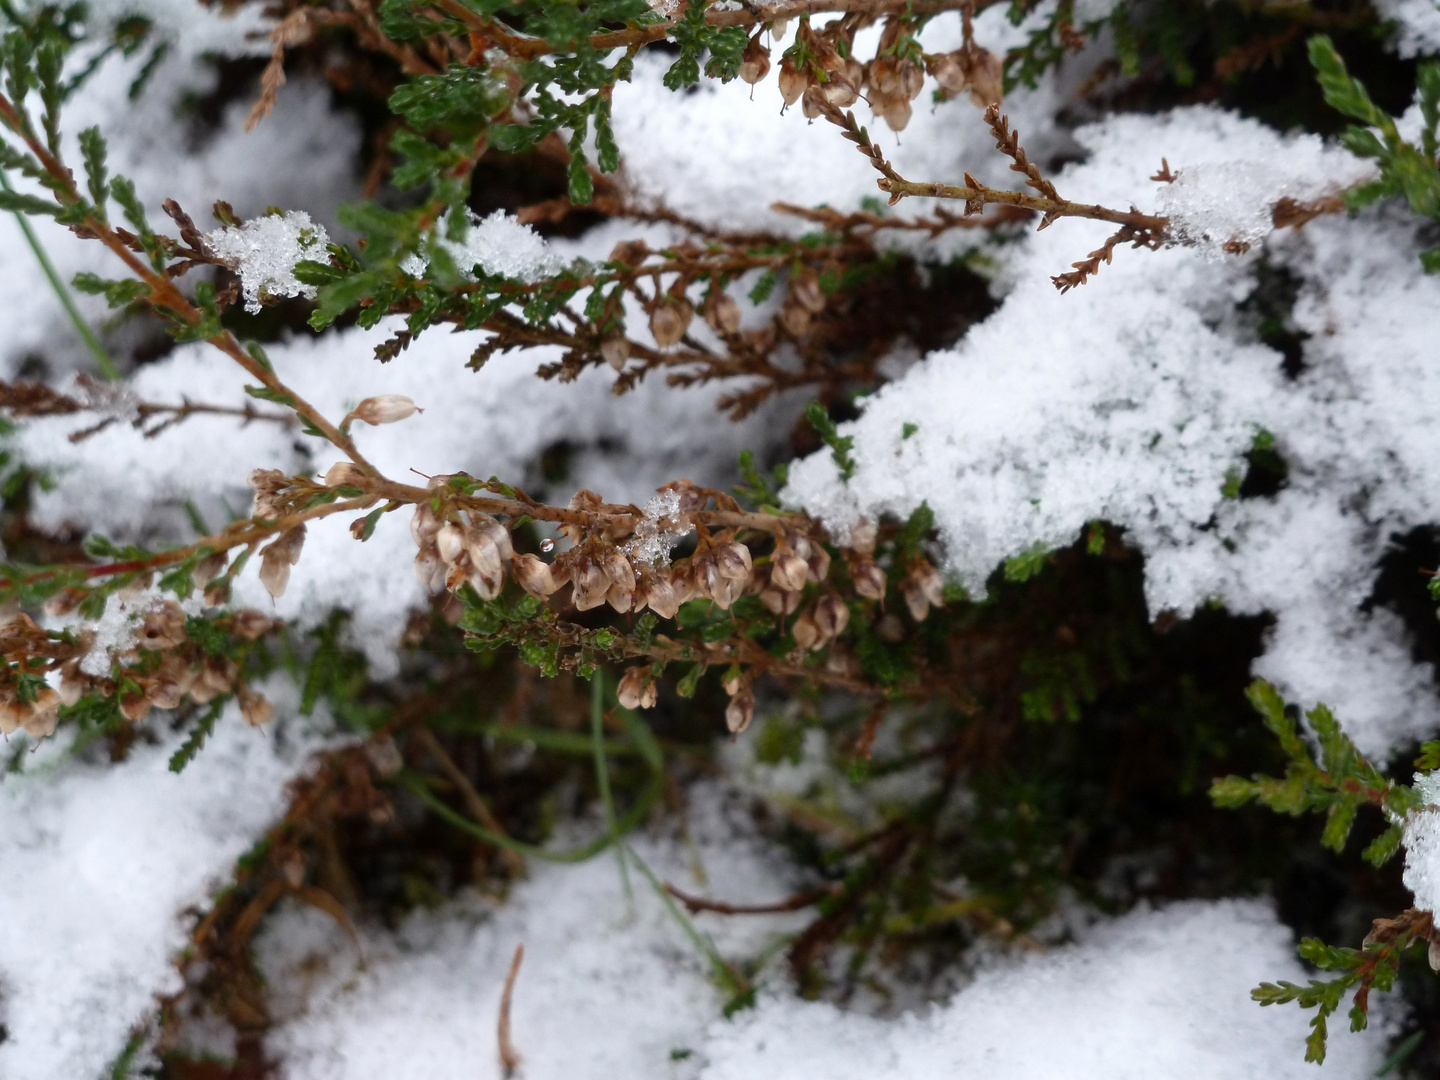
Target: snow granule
499, 245
264, 251
1231, 202
1417, 23
1422, 845
651, 545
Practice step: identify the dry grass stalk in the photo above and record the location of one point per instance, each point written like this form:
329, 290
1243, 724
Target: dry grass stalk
509, 1056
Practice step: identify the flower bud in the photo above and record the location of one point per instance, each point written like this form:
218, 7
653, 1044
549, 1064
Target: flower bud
615, 349
788, 571
869, 578
384, 409
533, 575
831, 616
722, 313
670, 320
740, 711
345, 474
754, 62
792, 82
255, 707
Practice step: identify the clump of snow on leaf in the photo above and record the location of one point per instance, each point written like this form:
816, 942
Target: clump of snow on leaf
1422, 845
264, 251
500, 246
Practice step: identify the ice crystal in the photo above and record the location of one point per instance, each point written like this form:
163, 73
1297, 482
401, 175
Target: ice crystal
264, 252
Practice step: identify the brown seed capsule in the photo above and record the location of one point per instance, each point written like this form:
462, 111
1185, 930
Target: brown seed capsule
450, 543
73, 682
733, 562
914, 599
615, 349
788, 571
869, 578
831, 616
617, 567
740, 711
792, 83
384, 409
250, 625
985, 76
135, 707
722, 313
533, 575
345, 474
255, 708
754, 61
779, 602
429, 570
896, 113
670, 320
619, 598
805, 288
806, 633
424, 524
795, 318
636, 689
863, 535
208, 569
163, 627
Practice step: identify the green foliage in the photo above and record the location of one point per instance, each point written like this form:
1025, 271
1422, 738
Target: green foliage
840, 445
1405, 169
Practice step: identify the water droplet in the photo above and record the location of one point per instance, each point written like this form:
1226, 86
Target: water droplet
547, 546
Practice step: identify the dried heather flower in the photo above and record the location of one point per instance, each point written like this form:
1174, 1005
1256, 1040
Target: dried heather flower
483, 550
12, 713
662, 596
896, 112
792, 83
728, 591
795, 318
779, 27
73, 682
274, 571
163, 627
788, 570
831, 616
384, 409
805, 288
619, 598
869, 579
345, 474
986, 78
135, 707
740, 710
255, 707
615, 349
635, 686
912, 79
250, 625
807, 634
670, 320
914, 599
754, 62
591, 584
929, 581
450, 543
705, 575
818, 562
617, 567
863, 535
949, 73
43, 714
268, 483
722, 313
216, 677
779, 601
208, 569
424, 525
733, 562
429, 570
533, 575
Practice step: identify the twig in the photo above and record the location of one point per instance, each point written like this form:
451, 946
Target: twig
509, 1056
795, 902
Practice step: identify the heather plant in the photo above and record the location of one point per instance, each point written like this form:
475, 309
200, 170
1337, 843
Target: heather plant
967, 640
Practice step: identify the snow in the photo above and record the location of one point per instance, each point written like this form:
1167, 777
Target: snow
100, 864
264, 251
1132, 399
1417, 23
500, 246
612, 986
1422, 845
